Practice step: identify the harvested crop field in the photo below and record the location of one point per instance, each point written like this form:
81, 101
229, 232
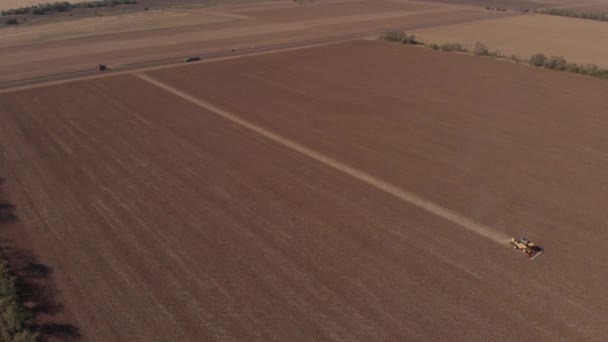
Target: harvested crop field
575, 39
358, 191
106, 25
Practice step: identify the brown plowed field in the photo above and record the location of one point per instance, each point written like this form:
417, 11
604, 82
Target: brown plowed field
163, 220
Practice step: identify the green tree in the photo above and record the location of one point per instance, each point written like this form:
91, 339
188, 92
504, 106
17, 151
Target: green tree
556, 63
452, 47
409, 39
573, 67
538, 60
394, 36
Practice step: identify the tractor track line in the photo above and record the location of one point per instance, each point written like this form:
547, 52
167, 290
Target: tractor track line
406, 196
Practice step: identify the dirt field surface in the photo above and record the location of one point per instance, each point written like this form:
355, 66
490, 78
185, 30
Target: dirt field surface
219, 29
575, 39
359, 191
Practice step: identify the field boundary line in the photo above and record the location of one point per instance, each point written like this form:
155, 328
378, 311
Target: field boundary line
406, 196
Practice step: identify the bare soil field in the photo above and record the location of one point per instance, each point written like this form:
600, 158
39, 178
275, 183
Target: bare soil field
223, 200
577, 40
241, 27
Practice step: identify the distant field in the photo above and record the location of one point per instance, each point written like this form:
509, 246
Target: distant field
509, 4
8, 4
576, 39
95, 26
598, 8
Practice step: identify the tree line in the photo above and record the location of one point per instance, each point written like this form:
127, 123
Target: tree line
16, 321
64, 6
561, 64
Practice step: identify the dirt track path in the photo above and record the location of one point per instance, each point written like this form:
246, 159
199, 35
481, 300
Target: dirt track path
404, 195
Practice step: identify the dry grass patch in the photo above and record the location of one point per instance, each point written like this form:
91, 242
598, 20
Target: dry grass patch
88, 27
525, 35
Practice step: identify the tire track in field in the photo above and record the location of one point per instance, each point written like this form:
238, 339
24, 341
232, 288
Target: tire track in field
404, 195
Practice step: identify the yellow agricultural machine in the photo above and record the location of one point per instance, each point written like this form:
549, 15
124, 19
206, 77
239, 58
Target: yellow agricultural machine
526, 246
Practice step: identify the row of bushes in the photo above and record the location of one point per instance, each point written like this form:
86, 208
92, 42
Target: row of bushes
561, 64
16, 321
64, 6
449, 47
400, 37
574, 14
105, 3
404, 38
480, 49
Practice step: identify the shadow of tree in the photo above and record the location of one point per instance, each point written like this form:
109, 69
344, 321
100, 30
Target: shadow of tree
6, 213
64, 332
34, 282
